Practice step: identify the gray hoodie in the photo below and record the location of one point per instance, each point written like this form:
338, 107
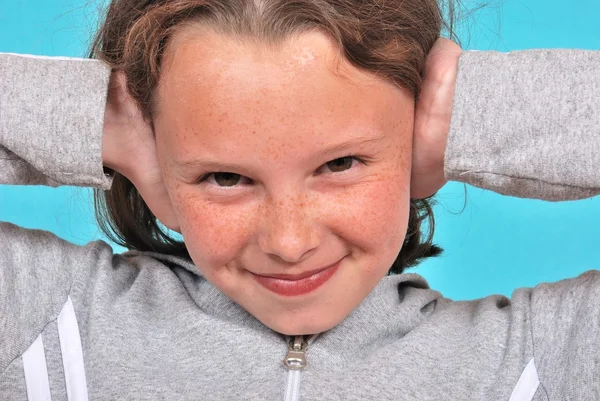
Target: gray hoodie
79, 323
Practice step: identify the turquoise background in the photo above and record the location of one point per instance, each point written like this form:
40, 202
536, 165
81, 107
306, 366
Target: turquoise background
494, 244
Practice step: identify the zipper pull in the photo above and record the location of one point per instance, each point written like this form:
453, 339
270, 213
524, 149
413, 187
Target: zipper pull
296, 356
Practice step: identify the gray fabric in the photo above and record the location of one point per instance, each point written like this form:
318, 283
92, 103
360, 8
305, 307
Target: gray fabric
527, 124
153, 328
56, 375
40, 98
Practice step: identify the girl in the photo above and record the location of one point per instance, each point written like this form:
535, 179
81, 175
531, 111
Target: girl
282, 140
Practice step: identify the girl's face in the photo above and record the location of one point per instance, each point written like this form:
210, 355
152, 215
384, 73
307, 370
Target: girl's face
282, 161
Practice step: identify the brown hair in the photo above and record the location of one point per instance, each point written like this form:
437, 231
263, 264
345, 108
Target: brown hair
388, 37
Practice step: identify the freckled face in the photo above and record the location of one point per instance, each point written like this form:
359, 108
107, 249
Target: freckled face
280, 161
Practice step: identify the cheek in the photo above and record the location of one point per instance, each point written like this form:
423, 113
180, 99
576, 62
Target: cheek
214, 233
374, 217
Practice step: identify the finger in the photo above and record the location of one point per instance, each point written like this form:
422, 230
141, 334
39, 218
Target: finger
442, 61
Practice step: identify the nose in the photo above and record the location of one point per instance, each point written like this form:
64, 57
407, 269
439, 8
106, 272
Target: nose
289, 232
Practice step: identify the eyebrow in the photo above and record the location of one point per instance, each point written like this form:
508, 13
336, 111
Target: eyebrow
337, 150
211, 165
349, 145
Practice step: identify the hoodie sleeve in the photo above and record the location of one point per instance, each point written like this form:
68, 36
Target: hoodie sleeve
51, 120
527, 123
565, 330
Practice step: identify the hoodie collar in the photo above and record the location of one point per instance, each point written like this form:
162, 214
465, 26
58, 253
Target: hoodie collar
396, 306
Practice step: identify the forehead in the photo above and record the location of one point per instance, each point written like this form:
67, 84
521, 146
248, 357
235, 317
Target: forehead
214, 86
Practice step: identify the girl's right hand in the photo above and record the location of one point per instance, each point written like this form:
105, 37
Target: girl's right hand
432, 119
129, 148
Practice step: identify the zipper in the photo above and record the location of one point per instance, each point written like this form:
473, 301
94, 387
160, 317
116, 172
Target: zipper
296, 355
295, 361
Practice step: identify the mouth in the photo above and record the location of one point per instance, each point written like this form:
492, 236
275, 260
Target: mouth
294, 277
297, 284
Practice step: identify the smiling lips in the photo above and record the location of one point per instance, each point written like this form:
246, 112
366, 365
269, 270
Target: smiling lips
294, 285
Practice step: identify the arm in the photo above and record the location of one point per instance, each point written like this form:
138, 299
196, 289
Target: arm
51, 121
527, 123
523, 124
60, 122
51, 130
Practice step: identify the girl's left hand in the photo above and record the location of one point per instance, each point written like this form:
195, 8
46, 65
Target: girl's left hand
432, 119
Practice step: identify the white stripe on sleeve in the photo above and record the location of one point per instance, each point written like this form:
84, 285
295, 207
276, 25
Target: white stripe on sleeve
527, 385
72, 354
36, 372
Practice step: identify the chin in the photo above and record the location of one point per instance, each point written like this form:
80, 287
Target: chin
298, 324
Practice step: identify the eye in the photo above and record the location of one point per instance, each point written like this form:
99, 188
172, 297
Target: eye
341, 164
227, 179
224, 179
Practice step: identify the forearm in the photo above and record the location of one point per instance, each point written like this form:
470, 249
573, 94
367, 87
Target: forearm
527, 123
51, 121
